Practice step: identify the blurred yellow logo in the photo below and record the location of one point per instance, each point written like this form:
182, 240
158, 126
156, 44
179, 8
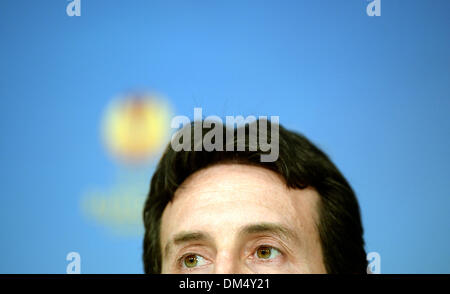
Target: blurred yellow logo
118, 208
136, 127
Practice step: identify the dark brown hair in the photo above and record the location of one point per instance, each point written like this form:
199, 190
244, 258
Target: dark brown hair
300, 163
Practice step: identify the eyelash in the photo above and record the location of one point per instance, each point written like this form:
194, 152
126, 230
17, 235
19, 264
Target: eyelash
180, 260
268, 246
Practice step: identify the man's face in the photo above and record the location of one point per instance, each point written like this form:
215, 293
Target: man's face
234, 218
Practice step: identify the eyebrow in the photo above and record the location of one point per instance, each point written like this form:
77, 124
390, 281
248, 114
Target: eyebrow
258, 228
281, 231
186, 237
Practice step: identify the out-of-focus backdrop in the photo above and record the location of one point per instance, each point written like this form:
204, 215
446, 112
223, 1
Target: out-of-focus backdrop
77, 93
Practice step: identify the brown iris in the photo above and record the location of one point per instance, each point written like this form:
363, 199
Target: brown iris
264, 252
191, 260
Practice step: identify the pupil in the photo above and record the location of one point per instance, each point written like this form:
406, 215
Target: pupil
264, 252
191, 261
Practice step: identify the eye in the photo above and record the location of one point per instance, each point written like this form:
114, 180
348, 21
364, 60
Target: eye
193, 260
267, 252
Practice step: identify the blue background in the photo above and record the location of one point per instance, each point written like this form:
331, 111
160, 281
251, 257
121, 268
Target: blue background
373, 92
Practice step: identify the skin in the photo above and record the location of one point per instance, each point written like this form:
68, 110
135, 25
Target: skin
235, 218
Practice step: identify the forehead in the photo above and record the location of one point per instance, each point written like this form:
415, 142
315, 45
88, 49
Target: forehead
225, 197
